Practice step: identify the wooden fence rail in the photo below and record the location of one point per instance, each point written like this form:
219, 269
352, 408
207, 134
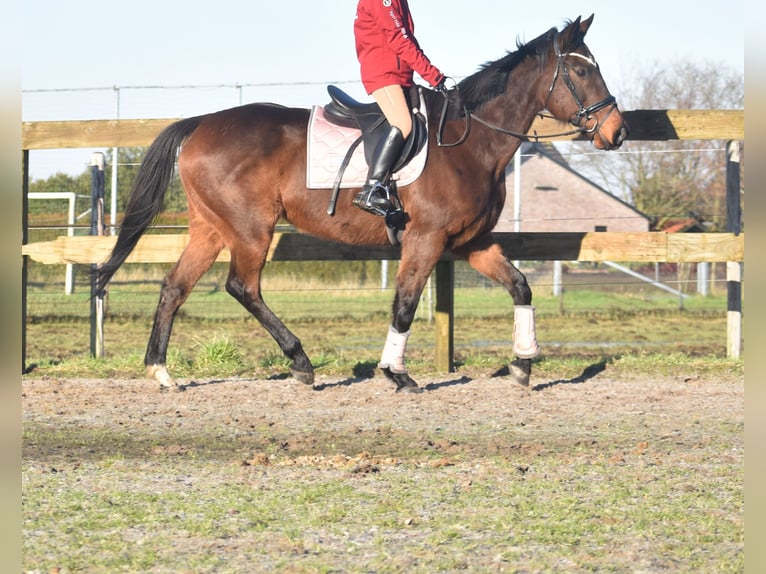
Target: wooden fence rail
645, 125
591, 246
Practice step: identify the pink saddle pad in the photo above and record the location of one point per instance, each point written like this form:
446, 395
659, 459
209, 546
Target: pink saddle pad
328, 144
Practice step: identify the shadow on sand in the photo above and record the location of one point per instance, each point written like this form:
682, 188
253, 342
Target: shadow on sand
365, 371
588, 373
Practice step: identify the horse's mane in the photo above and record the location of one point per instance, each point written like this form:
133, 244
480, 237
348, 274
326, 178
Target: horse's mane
492, 78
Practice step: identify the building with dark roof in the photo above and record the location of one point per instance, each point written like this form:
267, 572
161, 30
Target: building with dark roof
555, 197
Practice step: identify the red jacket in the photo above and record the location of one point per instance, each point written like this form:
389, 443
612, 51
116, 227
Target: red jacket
387, 50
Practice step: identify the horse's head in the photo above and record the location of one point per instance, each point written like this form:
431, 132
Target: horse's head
577, 93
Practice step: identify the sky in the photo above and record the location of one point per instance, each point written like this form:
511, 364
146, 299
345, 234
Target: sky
287, 51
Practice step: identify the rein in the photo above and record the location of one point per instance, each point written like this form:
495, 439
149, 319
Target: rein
583, 114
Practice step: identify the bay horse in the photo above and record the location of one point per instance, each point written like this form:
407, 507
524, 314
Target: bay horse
244, 169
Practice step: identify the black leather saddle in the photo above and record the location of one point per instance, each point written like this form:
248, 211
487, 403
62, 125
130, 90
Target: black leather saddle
346, 111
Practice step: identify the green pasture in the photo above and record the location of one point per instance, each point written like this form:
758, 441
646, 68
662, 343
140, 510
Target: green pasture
342, 328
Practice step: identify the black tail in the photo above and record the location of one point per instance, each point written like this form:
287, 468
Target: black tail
148, 195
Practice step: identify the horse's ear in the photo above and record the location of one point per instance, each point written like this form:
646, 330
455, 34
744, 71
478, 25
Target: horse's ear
574, 34
585, 24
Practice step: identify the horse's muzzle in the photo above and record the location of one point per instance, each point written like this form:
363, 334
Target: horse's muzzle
621, 136
617, 139
611, 134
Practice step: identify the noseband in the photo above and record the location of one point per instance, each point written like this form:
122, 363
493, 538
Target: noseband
579, 120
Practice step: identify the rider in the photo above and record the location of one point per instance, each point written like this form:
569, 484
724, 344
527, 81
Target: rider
388, 55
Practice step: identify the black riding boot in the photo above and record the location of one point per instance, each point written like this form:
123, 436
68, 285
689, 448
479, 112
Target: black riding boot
374, 196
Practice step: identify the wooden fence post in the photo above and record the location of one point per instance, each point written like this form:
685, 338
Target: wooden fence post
96, 228
733, 269
445, 315
24, 258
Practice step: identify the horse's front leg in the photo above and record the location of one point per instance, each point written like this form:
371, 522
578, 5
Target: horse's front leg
487, 257
525, 346
415, 266
392, 359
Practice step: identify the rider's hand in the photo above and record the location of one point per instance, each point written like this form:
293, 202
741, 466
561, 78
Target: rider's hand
441, 87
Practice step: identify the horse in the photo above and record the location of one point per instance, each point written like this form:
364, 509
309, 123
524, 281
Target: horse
243, 170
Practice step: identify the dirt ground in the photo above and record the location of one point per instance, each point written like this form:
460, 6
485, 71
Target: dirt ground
361, 424
244, 408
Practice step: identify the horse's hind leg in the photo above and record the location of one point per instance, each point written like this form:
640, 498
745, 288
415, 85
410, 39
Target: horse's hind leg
244, 285
196, 259
487, 258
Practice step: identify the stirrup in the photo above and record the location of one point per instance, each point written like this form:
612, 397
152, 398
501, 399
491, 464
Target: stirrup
364, 200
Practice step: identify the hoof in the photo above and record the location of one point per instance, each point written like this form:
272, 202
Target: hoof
160, 374
519, 371
404, 383
305, 377
410, 390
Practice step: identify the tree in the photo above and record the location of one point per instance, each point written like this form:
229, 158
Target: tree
674, 179
129, 159
128, 162
58, 183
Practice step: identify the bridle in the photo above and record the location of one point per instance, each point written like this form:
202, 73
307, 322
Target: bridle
579, 120
584, 114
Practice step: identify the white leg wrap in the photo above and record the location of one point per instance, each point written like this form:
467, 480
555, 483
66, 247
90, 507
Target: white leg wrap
393, 351
524, 339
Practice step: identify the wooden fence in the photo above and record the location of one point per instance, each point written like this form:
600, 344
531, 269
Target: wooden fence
645, 125
648, 125
570, 246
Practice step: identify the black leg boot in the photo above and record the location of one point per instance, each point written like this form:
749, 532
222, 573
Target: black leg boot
374, 196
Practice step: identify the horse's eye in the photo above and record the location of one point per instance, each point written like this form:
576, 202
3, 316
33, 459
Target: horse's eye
581, 72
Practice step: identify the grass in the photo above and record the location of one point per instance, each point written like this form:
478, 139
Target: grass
325, 302
219, 354
579, 512
342, 329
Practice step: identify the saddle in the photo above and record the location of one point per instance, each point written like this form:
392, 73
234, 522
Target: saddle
345, 111
348, 112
